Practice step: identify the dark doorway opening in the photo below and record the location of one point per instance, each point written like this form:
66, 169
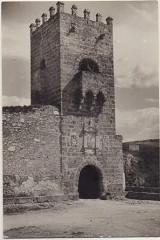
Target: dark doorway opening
90, 183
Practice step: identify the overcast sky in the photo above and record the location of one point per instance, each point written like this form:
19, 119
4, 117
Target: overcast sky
135, 59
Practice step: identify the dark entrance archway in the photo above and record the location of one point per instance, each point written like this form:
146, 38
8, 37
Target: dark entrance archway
90, 183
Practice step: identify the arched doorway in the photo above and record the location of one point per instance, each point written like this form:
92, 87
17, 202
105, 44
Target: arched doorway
90, 183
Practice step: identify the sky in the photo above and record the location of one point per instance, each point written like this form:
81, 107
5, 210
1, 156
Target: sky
135, 37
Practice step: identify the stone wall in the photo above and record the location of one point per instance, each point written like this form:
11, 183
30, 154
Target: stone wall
31, 151
89, 134
90, 40
86, 142
44, 153
58, 46
45, 63
72, 69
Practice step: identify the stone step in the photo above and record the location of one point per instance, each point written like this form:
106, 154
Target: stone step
143, 196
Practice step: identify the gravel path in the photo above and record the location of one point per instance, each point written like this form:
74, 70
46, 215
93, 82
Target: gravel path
88, 218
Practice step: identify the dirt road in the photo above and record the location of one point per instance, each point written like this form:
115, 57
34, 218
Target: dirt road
88, 218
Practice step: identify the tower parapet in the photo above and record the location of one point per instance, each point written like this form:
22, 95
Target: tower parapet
60, 10
32, 27
74, 9
60, 7
109, 20
86, 14
51, 12
38, 22
98, 17
44, 18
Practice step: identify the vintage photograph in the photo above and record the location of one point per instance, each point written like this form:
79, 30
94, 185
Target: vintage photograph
80, 96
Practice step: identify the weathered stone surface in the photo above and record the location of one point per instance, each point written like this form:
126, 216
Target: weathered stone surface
72, 70
37, 150
12, 148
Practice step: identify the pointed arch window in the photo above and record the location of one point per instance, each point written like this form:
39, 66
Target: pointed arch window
77, 98
43, 64
89, 99
100, 99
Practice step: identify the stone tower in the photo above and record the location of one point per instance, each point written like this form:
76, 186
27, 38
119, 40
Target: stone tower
72, 69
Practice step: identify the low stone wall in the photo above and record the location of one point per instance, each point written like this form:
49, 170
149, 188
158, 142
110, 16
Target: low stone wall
141, 164
31, 152
143, 193
18, 186
21, 204
143, 189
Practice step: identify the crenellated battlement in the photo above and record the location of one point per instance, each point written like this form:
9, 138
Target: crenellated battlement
59, 44
53, 14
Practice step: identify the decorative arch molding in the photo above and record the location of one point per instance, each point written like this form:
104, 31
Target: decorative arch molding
91, 162
83, 56
88, 64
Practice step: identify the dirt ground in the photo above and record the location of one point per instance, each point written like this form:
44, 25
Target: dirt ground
87, 218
